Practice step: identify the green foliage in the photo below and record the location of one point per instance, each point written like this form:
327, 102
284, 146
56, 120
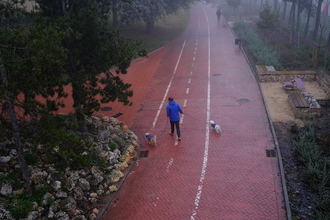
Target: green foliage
19, 205
63, 146
260, 50
31, 158
166, 29
113, 146
11, 178
316, 172
268, 18
149, 11
233, 3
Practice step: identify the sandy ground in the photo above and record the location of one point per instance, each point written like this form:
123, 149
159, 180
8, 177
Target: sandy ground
278, 103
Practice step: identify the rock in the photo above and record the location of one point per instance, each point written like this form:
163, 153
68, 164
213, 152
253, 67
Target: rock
18, 192
47, 199
100, 192
93, 200
121, 166
51, 214
79, 217
92, 216
61, 194
93, 195
71, 206
96, 211
38, 176
5, 159
57, 185
113, 188
33, 215
97, 174
62, 216
55, 206
5, 214
115, 176
6, 189
34, 206
13, 152
78, 194
84, 184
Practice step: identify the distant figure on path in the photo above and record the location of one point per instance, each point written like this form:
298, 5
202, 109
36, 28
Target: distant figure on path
219, 14
173, 111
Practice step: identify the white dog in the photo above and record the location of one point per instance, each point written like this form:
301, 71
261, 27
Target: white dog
151, 139
215, 127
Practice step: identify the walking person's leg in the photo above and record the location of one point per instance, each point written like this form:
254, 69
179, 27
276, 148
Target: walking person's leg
172, 128
177, 127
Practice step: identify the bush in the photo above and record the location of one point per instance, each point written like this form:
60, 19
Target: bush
268, 19
316, 172
63, 147
259, 49
19, 205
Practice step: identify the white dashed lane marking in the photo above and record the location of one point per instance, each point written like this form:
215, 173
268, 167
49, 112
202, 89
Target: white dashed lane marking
187, 91
185, 103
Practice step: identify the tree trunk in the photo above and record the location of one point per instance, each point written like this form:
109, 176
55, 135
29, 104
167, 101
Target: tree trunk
150, 25
10, 109
77, 104
115, 13
275, 6
299, 9
284, 10
309, 13
317, 21
293, 19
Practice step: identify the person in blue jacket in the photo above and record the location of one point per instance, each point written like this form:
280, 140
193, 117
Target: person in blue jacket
173, 111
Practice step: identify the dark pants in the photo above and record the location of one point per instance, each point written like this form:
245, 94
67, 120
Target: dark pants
177, 127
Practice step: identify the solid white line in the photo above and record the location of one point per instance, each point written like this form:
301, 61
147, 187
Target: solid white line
187, 91
207, 137
185, 103
168, 87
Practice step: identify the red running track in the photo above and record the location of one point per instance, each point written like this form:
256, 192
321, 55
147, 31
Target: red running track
205, 176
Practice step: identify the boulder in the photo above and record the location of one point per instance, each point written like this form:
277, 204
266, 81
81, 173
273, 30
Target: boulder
84, 184
6, 189
57, 185
5, 159
38, 176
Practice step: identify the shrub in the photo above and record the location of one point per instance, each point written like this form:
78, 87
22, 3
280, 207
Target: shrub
259, 49
19, 205
268, 19
316, 172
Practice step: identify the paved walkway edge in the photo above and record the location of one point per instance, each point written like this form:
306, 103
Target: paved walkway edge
278, 150
108, 200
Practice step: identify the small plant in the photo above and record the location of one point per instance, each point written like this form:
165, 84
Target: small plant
113, 146
19, 205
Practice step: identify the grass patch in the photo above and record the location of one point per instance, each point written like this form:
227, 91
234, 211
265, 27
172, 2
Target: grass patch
316, 169
166, 29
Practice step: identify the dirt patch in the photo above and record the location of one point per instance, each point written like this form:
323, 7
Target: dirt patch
278, 104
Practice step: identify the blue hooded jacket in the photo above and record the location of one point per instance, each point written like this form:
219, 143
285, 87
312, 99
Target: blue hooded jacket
173, 109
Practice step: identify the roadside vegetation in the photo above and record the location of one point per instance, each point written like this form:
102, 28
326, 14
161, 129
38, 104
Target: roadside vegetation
166, 29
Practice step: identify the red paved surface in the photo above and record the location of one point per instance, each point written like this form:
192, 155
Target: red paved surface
240, 181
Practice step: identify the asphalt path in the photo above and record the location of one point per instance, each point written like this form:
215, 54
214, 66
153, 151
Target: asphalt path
205, 176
